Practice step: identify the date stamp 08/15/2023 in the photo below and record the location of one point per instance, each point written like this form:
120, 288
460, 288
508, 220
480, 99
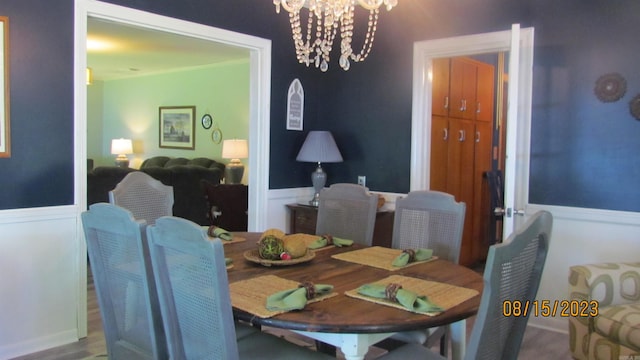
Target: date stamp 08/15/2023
551, 308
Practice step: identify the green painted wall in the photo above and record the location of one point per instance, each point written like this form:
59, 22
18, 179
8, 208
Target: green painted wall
129, 108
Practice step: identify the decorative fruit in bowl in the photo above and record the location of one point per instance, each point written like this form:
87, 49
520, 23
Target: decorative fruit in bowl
270, 247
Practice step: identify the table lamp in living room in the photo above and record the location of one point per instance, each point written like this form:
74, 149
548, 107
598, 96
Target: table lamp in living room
122, 148
319, 146
235, 150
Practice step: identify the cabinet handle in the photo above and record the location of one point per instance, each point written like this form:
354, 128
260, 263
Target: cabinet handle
478, 109
445, 134
477, 136
446, 102
461, 136
462, 107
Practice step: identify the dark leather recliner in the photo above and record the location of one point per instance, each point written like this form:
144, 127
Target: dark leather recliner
183, 175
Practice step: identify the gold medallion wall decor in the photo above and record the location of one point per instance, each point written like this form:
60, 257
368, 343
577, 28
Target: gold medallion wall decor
610, 87
216, 134
634, 107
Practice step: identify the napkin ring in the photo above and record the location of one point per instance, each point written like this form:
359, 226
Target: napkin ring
391, 290
329, 238
211, 231
412, 254
310, 289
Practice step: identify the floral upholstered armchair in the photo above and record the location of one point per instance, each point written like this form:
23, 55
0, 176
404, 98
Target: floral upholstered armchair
612, 331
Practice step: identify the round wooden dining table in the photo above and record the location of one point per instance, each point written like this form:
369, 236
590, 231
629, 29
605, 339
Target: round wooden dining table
347, 322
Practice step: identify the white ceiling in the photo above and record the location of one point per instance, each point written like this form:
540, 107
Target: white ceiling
116, 51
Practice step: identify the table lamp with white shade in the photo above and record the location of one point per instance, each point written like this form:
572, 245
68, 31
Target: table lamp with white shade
122, 148
319, 147
235, 150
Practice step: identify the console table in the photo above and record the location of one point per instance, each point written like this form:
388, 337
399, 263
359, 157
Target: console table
303, 220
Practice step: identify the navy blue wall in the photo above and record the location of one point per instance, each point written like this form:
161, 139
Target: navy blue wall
40, 169
582, 149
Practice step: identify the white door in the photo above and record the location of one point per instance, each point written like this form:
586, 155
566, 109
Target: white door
516, 177
519, 43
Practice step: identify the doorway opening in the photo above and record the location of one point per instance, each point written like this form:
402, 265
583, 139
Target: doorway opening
259, 116
518, 44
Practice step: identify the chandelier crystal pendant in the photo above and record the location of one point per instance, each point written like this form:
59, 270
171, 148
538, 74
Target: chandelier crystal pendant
330, 17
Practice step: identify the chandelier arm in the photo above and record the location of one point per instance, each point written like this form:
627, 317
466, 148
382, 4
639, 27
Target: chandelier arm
370, 4
292, 6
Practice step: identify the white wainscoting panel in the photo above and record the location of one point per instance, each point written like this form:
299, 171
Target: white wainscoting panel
583, 236
39, 263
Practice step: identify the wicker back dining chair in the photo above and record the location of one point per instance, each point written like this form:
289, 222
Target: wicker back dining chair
431, 220
347, 211
512, 273
195, 302
146, 198
124, 283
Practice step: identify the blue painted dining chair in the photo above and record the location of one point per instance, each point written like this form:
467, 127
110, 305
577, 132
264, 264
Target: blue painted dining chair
146, 197
124, 283
512, 273
347, 211
430, 220
195, 302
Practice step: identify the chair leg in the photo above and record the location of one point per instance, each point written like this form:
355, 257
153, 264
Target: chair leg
444, 344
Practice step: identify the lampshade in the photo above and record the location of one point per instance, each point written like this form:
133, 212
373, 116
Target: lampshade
235, 149
319, 146
121, 146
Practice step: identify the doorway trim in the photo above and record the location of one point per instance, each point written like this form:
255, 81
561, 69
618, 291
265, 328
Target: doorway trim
259, 110
423, 54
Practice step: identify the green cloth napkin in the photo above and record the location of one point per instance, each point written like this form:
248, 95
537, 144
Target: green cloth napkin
323, 241
220, 233
294, 299
228, 261
421, 254
406, 298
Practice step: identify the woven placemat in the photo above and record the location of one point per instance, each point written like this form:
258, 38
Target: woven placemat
377, 256
251, 295
444, 295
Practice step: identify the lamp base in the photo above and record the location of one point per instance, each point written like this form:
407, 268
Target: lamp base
233, 172
318, 179
122, 162
315, 201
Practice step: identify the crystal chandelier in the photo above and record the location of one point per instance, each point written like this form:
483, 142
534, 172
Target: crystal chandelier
330, 15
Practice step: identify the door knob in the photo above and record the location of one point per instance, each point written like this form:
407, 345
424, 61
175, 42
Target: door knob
498, 211
511, 212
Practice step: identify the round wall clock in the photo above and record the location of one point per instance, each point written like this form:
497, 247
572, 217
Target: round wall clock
610, 87
207, 121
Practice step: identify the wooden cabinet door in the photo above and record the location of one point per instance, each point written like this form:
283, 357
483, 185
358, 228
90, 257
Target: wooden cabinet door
462, 89
464, 136
483, 157
485, 92
439, 153
440, 87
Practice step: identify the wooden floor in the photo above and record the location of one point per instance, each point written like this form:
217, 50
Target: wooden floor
537, 344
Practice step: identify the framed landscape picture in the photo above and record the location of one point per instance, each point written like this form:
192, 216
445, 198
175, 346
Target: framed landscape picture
5, 134
177, 127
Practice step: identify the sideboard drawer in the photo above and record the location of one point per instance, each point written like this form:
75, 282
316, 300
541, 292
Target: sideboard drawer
303, 219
